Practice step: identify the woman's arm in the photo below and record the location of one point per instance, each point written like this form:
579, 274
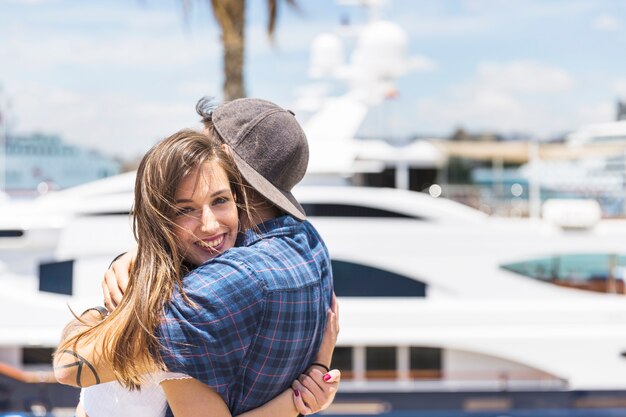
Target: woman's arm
191, 398
82, 365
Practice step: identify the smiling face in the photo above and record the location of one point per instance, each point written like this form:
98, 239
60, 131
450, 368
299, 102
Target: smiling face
206, 218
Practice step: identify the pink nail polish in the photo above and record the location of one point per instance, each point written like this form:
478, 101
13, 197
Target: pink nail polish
327, 377
295, 391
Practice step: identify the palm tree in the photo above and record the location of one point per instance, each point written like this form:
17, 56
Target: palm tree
230, 15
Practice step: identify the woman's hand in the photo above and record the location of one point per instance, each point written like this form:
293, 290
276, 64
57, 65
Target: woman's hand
116, 279
315, 391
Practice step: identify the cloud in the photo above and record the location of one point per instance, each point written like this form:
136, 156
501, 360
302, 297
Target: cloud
112, 78
99, 35
521, 77
126, 51
198, 88
424, 27
619, 87
120, 124
595, 113
479, 17
29, 2
485, 110
422, 63
501, 96
607, 23
530, 9
289, 37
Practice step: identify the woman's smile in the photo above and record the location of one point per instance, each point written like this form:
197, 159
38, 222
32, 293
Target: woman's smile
213, 244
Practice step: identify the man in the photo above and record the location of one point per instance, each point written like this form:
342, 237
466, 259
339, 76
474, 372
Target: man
260, 307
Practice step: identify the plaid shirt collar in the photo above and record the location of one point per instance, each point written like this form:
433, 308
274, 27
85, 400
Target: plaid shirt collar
278, 226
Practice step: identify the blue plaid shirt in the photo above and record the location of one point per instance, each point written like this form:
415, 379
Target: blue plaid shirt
259, 316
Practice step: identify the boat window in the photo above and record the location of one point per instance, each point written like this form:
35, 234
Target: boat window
592, 272
380, 362
37, 355
611, 138
425, 362
418, 178
56, 277
108, 213
349, 210
342, 359
11, 233
357, 280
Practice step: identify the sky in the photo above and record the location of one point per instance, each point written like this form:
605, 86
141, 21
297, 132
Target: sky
118, 75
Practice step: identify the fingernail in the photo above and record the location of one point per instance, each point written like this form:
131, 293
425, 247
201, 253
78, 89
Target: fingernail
327, 377
295, 391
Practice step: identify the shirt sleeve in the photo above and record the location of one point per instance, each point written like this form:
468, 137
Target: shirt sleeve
208, 338
161, 376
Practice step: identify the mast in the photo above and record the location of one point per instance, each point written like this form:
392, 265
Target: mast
3, 139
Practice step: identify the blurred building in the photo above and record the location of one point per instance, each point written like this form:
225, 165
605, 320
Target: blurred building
39, 162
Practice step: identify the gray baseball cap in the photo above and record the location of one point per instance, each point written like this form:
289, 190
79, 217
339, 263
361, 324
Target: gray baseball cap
268, 146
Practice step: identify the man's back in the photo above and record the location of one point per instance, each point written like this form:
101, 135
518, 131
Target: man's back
260, 314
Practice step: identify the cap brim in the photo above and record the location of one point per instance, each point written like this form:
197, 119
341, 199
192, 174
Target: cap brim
282, 199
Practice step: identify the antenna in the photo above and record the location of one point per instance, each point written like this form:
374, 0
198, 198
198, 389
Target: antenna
374, 7
3, 138
621, 111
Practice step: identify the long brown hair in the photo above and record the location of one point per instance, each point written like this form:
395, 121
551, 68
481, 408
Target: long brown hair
127, 338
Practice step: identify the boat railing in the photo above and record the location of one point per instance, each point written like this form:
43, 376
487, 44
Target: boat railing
505, 200
433, 379
28, 377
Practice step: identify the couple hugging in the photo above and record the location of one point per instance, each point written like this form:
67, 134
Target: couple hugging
228, 305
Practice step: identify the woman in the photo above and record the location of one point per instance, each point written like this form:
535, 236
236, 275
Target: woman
187, 195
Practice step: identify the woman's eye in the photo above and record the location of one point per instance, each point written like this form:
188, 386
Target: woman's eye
220, 200
181, 211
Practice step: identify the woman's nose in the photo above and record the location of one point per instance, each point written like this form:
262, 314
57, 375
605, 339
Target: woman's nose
209, 221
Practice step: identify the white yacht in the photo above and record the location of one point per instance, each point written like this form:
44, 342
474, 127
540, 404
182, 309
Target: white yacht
435, 297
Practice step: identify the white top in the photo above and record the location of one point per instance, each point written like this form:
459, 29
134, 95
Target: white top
113, 400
